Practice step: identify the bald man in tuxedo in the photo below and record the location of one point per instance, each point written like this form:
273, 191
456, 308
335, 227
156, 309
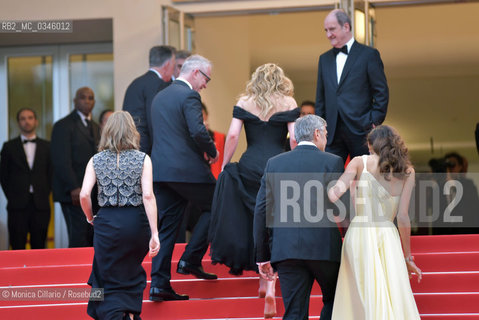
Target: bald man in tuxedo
352, 92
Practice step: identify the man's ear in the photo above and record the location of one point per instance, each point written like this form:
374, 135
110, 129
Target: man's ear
347, 24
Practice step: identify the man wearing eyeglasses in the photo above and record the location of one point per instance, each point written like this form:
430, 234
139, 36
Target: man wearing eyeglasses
181, 154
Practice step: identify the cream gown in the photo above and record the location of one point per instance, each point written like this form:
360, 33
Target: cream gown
373, 282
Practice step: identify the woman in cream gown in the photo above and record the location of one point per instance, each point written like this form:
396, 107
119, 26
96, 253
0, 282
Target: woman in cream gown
373, 280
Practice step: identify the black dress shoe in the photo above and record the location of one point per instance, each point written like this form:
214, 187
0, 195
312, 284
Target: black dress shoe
187, 268
166, 294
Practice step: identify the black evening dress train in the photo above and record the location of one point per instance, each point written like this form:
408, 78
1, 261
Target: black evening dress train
121, 236
231, 227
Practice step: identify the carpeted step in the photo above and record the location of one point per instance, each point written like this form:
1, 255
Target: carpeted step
445, 243
248, 287
438, 305
81, 273
449, 289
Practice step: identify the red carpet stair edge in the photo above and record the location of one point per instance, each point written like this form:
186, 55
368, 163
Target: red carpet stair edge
449, 290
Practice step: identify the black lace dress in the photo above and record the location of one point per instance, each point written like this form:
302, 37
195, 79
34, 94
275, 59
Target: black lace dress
231, 227
121, 236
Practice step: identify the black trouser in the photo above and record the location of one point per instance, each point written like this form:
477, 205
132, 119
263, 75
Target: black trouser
347, 143
171, 199
28, 220
297, 277
80, 232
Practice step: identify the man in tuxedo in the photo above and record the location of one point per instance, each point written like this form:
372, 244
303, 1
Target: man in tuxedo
26, 176
307, 107
74, 141
477, 137
142, 90
182, 151
302, 251
352, 92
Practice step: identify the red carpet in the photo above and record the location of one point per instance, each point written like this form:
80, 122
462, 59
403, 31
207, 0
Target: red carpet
449, 290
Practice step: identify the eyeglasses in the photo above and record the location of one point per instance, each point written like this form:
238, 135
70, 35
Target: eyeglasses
208, 79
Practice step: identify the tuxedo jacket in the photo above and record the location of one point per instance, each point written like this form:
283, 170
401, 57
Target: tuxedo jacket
137, 102
17, 177
180, 138
72, 146
319, 241
477, 136
362, 95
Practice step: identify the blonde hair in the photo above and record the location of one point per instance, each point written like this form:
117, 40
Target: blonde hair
119, 133
267, 82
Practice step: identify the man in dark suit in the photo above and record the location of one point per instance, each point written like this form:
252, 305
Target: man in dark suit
74, 141
306, 248
142, 90
182, 151
352, 92
477, 137
26, 176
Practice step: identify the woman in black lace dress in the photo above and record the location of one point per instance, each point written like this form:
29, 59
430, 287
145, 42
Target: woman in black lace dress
126, 221
267, 110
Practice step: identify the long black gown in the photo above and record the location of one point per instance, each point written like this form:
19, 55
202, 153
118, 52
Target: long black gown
121, 236
231, 227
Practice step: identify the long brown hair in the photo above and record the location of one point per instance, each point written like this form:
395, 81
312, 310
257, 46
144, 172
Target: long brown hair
392, 152
119, 133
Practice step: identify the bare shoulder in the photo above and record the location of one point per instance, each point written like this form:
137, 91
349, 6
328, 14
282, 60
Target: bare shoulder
290, 102
358, 160
356, 164
245, 102
411, 174
410, 170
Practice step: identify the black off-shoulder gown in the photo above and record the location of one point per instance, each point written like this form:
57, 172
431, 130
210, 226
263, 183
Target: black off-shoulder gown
231, 227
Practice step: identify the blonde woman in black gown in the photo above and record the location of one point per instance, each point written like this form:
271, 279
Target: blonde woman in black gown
126, 224
267, 110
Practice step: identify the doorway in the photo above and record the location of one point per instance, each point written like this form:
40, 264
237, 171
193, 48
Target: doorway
45, 78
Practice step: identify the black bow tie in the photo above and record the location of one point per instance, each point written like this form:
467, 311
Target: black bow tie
343, 49
31, 140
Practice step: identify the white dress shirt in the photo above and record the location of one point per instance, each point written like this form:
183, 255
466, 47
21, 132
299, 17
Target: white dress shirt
341, 58
30, 148
84, 118
185, 81
157, 73
307, 143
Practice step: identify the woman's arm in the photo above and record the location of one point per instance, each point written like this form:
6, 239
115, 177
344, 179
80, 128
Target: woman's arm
149, 202
404, 225
231, 140
292, 139
89, 181
342, 185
